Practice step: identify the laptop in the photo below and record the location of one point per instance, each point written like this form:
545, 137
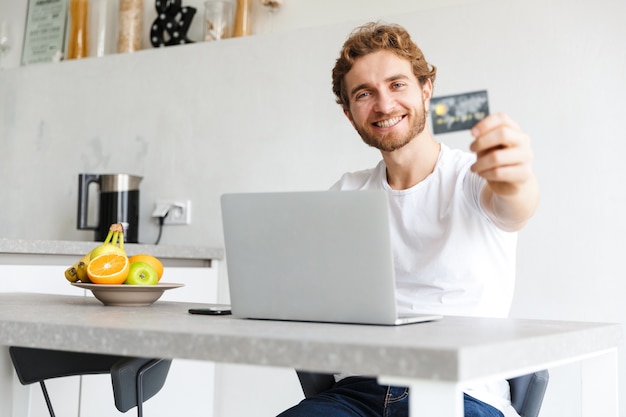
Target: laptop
321, 256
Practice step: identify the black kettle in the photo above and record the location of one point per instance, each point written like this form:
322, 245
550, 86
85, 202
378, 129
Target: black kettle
118, 203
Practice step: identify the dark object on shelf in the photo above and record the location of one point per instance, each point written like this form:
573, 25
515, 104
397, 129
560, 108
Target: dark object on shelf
172, 23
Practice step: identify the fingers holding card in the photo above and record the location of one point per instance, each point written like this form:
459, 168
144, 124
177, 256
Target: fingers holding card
503, 151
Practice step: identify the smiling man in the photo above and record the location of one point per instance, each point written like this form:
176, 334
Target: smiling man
381, 92
454, 214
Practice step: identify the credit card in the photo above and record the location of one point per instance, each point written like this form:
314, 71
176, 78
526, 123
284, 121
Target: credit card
459, 111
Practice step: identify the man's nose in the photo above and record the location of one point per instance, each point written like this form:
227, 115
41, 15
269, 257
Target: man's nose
385, 103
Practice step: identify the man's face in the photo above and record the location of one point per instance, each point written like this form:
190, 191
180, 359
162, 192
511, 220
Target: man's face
386, 100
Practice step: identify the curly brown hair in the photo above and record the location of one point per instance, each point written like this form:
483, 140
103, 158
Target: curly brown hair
373, 37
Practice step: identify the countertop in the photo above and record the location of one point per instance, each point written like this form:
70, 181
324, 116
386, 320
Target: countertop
46, 251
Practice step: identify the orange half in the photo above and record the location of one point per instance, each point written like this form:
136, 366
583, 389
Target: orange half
110, 268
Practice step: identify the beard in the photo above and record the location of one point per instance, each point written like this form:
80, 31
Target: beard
391, 141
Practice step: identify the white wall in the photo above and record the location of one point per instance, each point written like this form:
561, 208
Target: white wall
257, 114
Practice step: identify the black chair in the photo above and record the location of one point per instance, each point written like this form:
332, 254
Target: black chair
132, 378
527, 391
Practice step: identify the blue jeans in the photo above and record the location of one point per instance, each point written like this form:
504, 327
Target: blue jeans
363, 397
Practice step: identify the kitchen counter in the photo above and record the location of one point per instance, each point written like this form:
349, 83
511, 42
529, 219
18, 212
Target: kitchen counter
52, 252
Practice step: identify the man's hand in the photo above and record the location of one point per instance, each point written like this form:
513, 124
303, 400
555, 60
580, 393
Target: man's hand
504, 160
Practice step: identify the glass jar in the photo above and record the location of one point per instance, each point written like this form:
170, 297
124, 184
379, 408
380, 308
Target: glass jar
77, 41
218, 19
130, 25
243, 18
102, 27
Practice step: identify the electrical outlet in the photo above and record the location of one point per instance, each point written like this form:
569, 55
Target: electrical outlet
179, 211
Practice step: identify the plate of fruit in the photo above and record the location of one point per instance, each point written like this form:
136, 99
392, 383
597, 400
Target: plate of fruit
117, 279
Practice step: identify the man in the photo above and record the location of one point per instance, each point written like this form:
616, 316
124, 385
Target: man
454, 214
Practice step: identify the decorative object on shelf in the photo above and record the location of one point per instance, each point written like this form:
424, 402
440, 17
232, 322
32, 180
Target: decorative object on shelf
102, 36
172, 23
273, 5
243, 18
77, 46
130, 25
218, 19
44, 37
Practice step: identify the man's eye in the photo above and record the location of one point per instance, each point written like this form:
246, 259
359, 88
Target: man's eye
398, 85
363, 94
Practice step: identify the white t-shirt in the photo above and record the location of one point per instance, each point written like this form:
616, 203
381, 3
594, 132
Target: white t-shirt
449, 257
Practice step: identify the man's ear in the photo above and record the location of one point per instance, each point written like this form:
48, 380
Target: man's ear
427, 93
346, 112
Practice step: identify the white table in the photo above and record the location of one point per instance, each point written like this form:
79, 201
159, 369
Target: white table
434, 359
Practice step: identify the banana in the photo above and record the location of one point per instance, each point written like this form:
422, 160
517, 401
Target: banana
114, 242
71, 275
86, 258
81, 272
78, 271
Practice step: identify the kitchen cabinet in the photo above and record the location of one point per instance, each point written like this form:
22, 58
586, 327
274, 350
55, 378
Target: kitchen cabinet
189, 388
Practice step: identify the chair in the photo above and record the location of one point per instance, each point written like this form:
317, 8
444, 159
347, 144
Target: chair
527, 391
132, 378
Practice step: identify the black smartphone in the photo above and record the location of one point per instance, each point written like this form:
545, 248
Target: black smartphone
212, 310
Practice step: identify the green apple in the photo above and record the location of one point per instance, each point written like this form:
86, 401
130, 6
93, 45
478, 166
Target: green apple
142, 273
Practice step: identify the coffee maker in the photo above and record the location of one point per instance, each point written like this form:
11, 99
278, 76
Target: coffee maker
118, 202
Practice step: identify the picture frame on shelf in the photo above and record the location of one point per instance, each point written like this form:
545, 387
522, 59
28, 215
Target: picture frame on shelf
44, 37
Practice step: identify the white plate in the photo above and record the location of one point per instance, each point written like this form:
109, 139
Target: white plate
127, 295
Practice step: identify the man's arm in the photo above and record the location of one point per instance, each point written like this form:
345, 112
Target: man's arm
504, 160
